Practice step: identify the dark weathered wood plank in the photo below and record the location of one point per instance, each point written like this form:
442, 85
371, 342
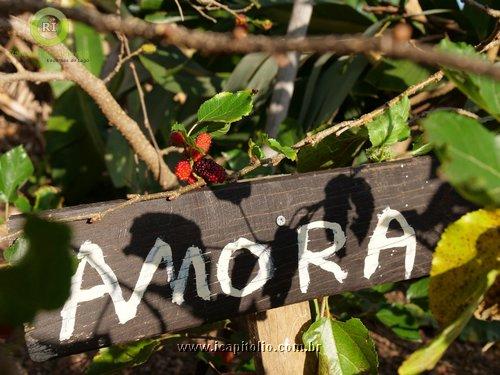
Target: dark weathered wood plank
211, 218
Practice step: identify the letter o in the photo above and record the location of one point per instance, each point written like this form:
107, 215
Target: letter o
265, 267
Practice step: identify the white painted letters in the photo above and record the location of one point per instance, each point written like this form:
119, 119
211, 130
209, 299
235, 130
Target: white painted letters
379, 241
126, 310
318, 258
265, 267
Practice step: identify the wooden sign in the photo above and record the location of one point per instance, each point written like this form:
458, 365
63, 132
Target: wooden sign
216, 253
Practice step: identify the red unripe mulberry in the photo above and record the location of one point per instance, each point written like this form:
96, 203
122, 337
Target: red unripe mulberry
183, 170
204, 141
177, 139
210, 171
195, 155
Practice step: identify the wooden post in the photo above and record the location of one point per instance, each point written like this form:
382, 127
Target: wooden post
282, 326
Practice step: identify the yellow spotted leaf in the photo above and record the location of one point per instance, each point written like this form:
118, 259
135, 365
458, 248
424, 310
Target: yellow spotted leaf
468, 249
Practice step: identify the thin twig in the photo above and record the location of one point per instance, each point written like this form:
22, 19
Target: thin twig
212, 42
12, 59
180, 10
119, 64
142, 101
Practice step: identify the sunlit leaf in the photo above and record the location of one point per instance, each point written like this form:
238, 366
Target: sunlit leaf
466, 252
15, 169
226, 107
344, 347
391, 126
469, 155
482, 90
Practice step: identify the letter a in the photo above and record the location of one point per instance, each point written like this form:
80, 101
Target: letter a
379, 241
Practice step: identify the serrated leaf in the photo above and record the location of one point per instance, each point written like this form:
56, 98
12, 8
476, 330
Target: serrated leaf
467, 251
426, 358
391, 126
344, 347
42, 277
469, 155
226, 107
117, 357
288, 151
15, 169
482, 90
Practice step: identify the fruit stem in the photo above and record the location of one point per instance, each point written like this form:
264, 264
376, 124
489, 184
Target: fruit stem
192, 128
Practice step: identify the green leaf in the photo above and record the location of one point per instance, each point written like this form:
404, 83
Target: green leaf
15, 169
466, 252
255, 151
383, 288
426, 358
420, 146
175, 72
481, 331
396, 75
226, 107
332, 89
15, 252
255, 71
124, 169
332, 151
117, 357
344, 347
400, 320
391, 126
75, 147
418, 289
288, 151
22, 204
47, 198
483, 91
41, 279
88, 45
469, 155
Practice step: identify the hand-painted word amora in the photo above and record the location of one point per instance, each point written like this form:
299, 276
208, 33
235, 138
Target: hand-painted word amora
91, 254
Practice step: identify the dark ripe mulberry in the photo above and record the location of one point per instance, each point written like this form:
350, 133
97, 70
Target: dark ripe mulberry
210, 171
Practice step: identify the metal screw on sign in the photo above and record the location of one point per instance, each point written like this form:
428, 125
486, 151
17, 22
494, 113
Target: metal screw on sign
280, 220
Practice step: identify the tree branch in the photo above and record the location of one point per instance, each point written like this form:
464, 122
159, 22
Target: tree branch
98, 91
211, 42
36, 77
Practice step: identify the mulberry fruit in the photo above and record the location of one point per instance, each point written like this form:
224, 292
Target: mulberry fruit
177, 139
210, 171
204, 141
195, 155
183, 170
